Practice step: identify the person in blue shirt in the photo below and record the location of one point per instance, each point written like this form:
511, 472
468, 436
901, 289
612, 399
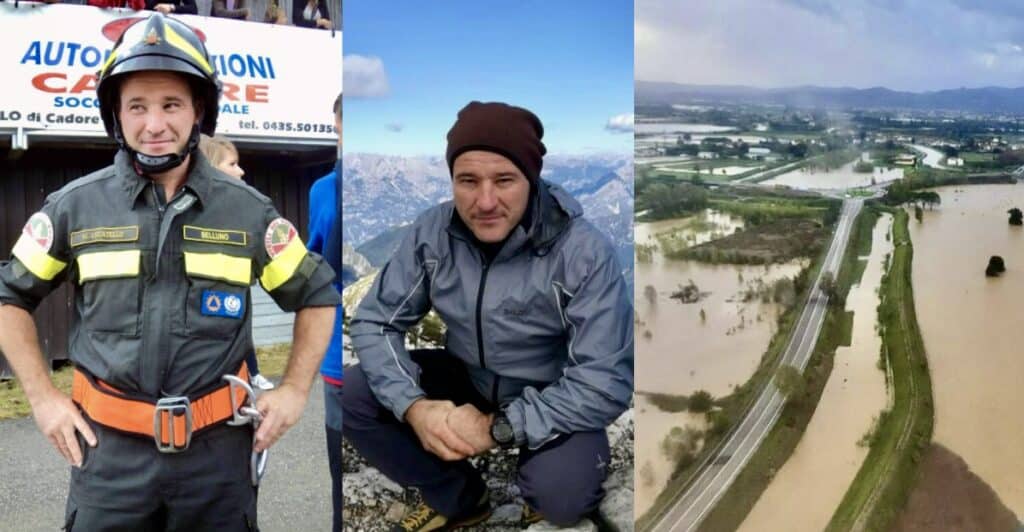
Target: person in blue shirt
325, 238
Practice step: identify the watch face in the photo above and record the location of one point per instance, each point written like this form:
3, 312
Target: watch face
501, 431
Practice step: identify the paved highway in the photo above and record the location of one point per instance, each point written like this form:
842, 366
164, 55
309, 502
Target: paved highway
721, 467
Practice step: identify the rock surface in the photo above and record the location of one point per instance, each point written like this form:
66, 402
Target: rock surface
373, 503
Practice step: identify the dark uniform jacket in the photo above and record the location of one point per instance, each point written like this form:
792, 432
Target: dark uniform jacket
162, 302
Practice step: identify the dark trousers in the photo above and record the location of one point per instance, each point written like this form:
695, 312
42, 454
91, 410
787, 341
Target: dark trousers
125, 484
332, 425
561, 479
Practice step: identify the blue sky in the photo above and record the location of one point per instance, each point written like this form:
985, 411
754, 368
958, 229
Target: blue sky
411, 65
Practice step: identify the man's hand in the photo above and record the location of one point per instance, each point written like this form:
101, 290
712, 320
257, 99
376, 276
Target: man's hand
166, 9
323, 23
281, 408
473, 426
58, 418
430, 421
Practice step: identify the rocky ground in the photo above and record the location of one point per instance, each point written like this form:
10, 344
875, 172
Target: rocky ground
373, 503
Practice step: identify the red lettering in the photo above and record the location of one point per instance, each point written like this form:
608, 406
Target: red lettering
87, 83
231, 92
40, 82
256, 93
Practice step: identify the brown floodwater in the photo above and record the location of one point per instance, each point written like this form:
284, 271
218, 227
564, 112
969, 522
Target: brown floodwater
843, 177
808, 488
972, 329
683, 353
677, 352
652, 465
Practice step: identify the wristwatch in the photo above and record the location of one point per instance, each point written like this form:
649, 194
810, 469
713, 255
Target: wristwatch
501, 431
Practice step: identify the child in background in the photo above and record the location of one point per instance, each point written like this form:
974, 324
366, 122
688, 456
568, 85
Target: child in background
223, 156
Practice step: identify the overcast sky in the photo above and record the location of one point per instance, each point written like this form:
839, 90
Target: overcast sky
914, 45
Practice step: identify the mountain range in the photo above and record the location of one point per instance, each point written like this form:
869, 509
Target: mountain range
992, 100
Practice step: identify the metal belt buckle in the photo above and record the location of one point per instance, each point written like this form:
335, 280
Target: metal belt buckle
174, 406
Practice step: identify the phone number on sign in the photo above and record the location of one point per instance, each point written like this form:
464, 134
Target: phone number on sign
298, 127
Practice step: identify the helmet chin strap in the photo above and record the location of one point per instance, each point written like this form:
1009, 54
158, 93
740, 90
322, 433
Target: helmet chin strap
155, 164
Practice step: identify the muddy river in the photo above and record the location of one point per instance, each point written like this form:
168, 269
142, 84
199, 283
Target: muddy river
972, 330
806, 491
678, 352
843, 177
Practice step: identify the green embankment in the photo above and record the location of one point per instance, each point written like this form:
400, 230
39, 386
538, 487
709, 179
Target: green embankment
902, 434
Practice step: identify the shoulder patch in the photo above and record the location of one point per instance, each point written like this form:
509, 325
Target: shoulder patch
129, 233
280, 233
39, 228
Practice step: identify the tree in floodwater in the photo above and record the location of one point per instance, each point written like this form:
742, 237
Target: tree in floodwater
918, 213
995, 267
651, 294
700, 402
1016, 216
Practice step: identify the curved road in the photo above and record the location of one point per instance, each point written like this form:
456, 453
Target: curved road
717, 473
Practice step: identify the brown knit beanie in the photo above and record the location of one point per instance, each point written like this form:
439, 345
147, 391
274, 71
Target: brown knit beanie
509, 131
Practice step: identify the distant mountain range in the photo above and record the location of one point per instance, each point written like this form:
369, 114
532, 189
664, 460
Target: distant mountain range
383, 194
992, 100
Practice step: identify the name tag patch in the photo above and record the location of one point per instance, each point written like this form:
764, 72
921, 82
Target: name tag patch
128, 233
223, 304
215, 236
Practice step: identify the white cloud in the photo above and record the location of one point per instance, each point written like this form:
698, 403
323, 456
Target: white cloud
365, 77
394, 127
620, 123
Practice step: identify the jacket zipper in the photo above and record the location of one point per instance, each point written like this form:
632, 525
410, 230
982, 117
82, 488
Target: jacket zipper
479, 315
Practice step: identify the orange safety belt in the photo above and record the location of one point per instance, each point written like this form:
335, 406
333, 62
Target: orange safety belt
109, 407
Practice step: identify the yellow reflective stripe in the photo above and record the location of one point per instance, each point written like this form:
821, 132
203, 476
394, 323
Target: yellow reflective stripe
219, 266
283, 267
106, 64
35, 258
179, 42
106, 264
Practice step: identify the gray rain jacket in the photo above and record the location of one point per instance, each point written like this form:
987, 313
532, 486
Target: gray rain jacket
545, 329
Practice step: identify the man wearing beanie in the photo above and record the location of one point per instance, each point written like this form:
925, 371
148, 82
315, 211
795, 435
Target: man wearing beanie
539, 343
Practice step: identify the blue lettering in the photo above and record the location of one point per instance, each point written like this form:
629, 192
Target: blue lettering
90, 56
270, 67
72, 49
234, 60
32, 54
48, 57
256, 68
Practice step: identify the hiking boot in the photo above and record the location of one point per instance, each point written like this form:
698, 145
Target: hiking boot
530, 516
425, 519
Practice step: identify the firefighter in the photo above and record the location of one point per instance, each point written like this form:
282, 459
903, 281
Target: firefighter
161, 249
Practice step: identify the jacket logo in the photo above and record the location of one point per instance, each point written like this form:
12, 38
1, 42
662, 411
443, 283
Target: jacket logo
40, 229
222, 304
509, 308
128, 233
215, 236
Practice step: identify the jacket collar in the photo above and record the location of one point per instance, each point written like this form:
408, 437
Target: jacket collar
198, 181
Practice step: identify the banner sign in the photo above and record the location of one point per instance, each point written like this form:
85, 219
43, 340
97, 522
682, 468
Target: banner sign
279, 81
